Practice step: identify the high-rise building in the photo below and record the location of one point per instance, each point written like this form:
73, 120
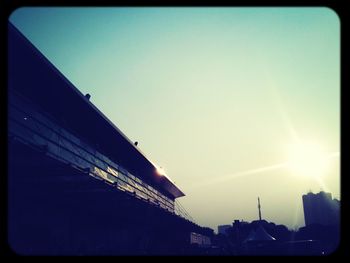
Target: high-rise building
321, 209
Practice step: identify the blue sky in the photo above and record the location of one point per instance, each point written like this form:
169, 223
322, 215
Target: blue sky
215, 96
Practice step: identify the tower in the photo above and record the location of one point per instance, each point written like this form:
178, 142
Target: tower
259, 207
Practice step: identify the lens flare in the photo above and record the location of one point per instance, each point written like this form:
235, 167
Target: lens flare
307, 159
160, 171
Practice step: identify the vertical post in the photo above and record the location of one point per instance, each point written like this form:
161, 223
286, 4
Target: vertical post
259, 209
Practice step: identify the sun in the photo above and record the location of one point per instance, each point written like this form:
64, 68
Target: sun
307, 159
160, 171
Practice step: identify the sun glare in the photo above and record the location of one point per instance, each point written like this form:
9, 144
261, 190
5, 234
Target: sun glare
160, 171
308, 159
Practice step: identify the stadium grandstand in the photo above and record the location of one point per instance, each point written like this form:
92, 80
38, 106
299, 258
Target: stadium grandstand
76, 184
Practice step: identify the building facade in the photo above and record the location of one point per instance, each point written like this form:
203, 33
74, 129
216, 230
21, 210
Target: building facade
76, 184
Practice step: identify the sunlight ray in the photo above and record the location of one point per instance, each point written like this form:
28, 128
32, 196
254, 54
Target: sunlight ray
277, 99
254, 171
243, 173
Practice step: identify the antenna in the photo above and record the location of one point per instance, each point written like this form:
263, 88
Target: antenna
259, 207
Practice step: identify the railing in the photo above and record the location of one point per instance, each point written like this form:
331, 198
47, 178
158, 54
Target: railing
39, 130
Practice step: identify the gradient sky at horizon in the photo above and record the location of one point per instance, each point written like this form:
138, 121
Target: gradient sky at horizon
212, 95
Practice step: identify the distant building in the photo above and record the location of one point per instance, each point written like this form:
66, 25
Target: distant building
222, 229
200, 240
258, 235
321, 209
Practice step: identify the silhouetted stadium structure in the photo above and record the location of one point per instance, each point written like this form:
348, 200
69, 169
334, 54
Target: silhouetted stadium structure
76, 184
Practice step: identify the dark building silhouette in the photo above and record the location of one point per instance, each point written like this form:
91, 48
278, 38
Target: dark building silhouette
321, 209
266, 238
222, 229
260, 237
76, 184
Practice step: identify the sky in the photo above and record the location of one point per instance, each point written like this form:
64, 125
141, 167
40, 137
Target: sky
233, 103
